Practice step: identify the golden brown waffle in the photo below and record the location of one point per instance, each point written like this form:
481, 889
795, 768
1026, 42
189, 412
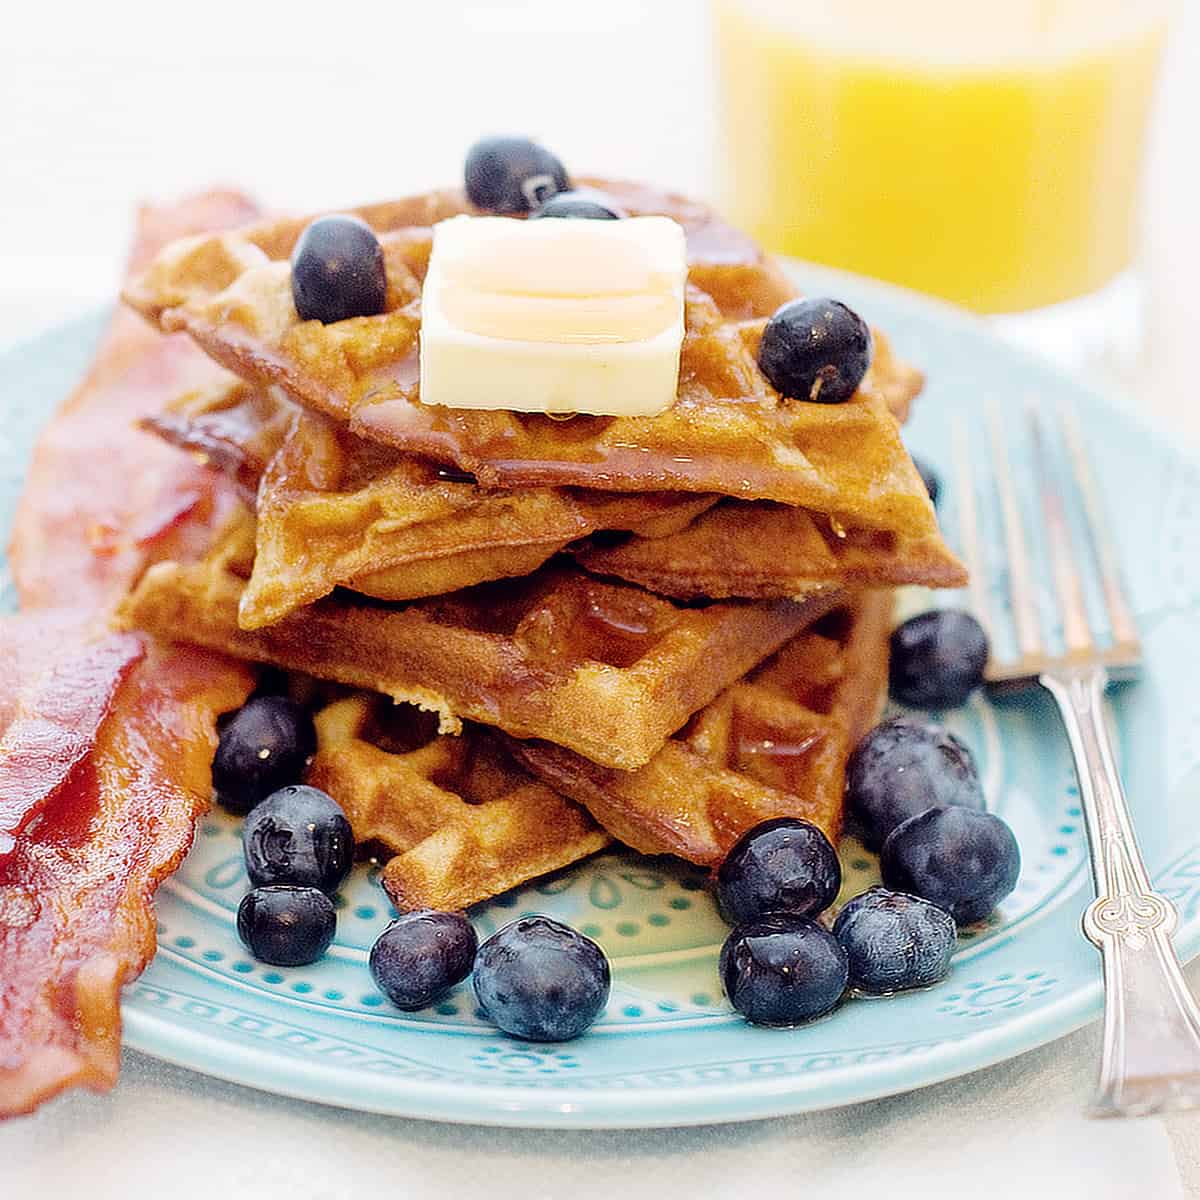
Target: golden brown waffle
607, 669
727, 432
760, 549
335, 510
460, 819
773, 744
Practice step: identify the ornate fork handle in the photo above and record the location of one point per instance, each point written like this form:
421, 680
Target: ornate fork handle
1151, 1058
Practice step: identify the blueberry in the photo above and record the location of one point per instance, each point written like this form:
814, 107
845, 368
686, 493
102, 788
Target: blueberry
903, 767
929, 477
785, 865
421, 955
894, 941
263, 746
783, 970
581, 203
961, 860
512, 175
540, 980
937, 659
815, 350
285, 925
338, 271
298, 835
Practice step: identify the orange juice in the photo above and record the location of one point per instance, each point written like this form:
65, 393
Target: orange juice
988, 151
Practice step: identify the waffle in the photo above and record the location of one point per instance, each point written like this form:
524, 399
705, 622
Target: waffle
459, 818
761, 549
607, 669
335, 510
773, 744
728, 432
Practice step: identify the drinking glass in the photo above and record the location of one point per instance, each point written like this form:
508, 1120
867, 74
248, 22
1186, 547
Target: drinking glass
988, 152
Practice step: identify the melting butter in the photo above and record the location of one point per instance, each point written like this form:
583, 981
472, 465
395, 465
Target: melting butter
554, 316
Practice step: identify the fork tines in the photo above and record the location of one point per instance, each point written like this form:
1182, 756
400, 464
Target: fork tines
1057, 492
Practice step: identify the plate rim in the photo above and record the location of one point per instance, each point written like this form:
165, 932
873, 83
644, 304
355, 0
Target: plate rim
517, 1107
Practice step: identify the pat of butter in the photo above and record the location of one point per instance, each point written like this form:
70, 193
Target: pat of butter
556, 316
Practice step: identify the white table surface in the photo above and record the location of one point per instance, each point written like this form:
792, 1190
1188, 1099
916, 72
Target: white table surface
106, 104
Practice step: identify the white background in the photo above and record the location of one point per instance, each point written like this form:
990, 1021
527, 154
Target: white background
104, 104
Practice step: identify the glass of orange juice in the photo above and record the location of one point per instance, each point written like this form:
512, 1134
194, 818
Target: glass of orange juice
985, 151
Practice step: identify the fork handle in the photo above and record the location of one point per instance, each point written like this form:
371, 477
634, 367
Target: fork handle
1151, 1057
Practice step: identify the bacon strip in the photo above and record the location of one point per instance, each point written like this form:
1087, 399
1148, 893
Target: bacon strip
55, 728
76, 894
102, 499
105, 818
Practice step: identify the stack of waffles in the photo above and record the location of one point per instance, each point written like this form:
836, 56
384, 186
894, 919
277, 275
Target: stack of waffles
542, 634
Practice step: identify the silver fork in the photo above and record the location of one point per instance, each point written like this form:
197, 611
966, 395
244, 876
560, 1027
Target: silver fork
1151, 1056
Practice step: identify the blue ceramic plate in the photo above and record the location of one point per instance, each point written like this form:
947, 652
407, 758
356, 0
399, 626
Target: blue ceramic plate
668, 1050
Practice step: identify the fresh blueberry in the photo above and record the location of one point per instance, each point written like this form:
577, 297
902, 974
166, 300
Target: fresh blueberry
815, 350
338, 271
783, 970
901, 768
784, 865
285, 925
582, 203
929, 477
540, 980
420, 956
263, 746
298, 835
894, 941
937, 659
957, 858
512, 175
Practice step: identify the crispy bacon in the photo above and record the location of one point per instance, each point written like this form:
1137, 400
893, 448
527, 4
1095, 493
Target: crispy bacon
105, 754
102, 498
54, 727
76, 893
